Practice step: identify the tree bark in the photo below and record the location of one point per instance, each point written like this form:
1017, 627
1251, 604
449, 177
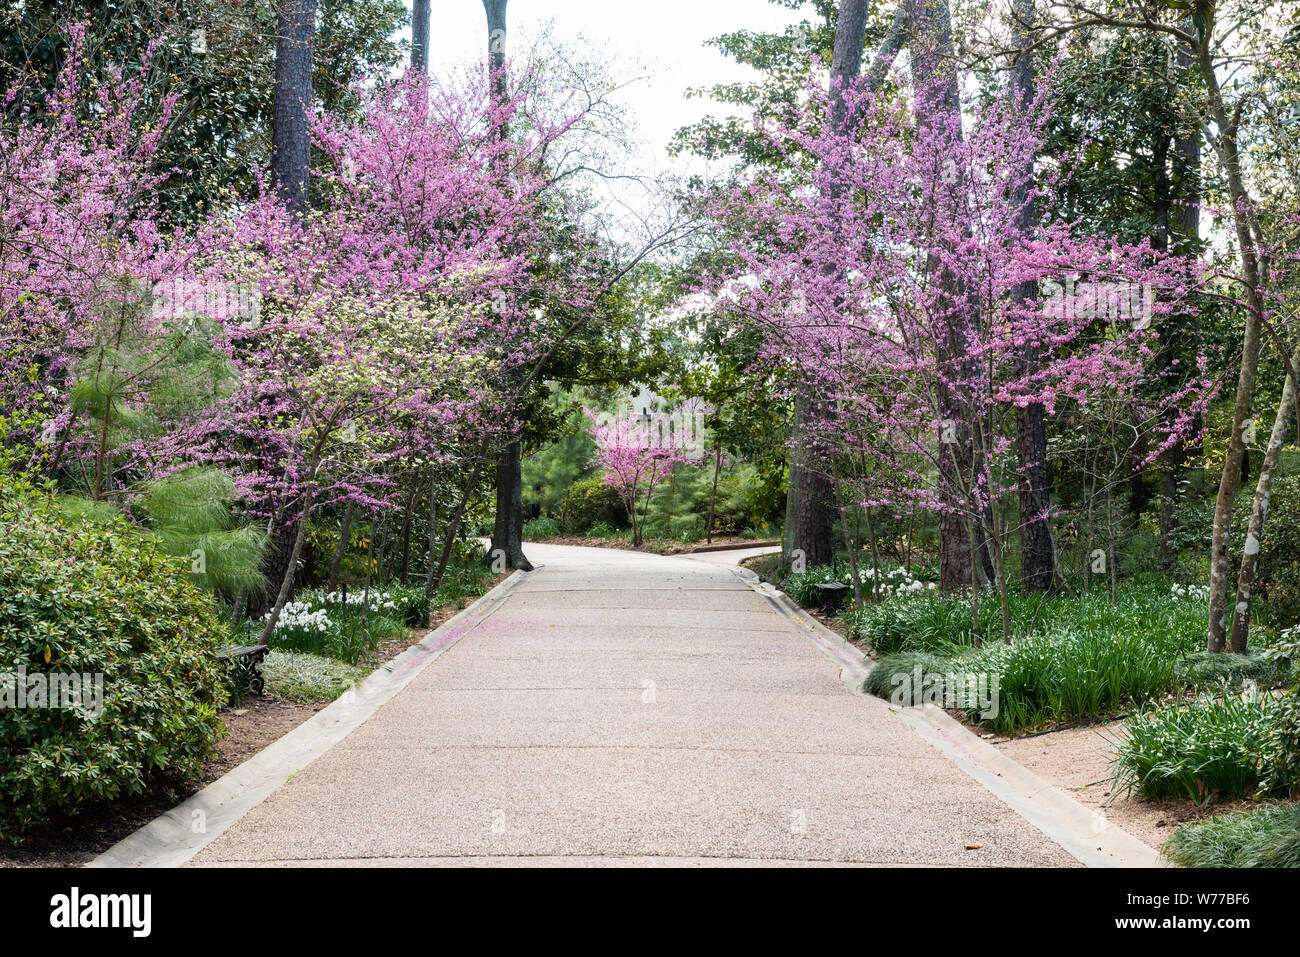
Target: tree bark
1259, 511
810, 501
508, 529
1038, 571
937, 101
420, 35
345, 537
290, 132
508, 532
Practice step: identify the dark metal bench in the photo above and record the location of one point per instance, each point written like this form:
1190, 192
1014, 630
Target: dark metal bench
832, 598
247, 660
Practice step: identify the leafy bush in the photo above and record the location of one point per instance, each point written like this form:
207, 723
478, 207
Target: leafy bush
912, 624
1268, 837
802, 586
882, 679
1202, 750
100, 598
1205, 668
306, 678
602, 530
541, 528
1278, 581
589, 501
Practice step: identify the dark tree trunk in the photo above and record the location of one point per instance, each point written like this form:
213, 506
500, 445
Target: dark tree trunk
508, 530
420, 35
810, 501
1037, 550
1174, 461
406, 532
936, 97
290, 134
345, 536
508, 533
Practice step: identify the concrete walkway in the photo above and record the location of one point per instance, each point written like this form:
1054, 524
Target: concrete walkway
629, 708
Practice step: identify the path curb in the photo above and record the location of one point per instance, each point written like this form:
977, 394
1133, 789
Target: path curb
171, 839
1084, 835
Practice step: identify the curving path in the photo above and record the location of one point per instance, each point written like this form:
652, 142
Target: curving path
620, 707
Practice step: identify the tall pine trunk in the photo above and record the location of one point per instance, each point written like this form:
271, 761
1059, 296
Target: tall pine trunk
290, 132
1037, 550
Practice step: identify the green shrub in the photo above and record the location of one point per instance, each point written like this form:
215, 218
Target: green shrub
541, 528
1204, 668
602, 530
882, 680
802, 586
306, 678
1278, 580
589, 501
100, 598
1268, 837
1206, 749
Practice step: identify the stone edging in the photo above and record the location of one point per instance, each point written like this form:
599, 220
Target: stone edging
1091, 840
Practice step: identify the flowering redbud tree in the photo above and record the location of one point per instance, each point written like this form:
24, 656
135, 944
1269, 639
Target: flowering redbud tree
895, 291
634, 458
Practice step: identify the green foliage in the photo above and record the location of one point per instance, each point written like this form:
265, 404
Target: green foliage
1073, 658
541, 528
1267, 837
802, 586
100, 599
1278, 581
603, 530
589, 501
1203, 750
307, 678
189, 514
882, 679
1203, 669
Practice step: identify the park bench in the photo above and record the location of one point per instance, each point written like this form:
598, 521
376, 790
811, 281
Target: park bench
247, 660
832, 597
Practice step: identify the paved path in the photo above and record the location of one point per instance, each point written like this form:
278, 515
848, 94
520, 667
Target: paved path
627, 708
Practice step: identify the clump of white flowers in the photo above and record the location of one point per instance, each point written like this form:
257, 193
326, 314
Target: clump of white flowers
898, 581
379, 600
298, 615
1196, 592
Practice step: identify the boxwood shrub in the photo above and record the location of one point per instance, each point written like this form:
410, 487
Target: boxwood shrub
99, 598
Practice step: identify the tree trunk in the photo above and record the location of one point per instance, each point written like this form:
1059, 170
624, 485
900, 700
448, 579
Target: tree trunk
1174, 461
1038, 570
936, 102
345, 537
290, 133
508, 533
286, 583
406, 531
810, 501
420, 36
508, 529
1259, 512
713, 499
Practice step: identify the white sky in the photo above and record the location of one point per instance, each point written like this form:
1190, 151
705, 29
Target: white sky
661, 38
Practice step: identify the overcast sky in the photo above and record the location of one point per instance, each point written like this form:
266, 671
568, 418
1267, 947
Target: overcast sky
666, 36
